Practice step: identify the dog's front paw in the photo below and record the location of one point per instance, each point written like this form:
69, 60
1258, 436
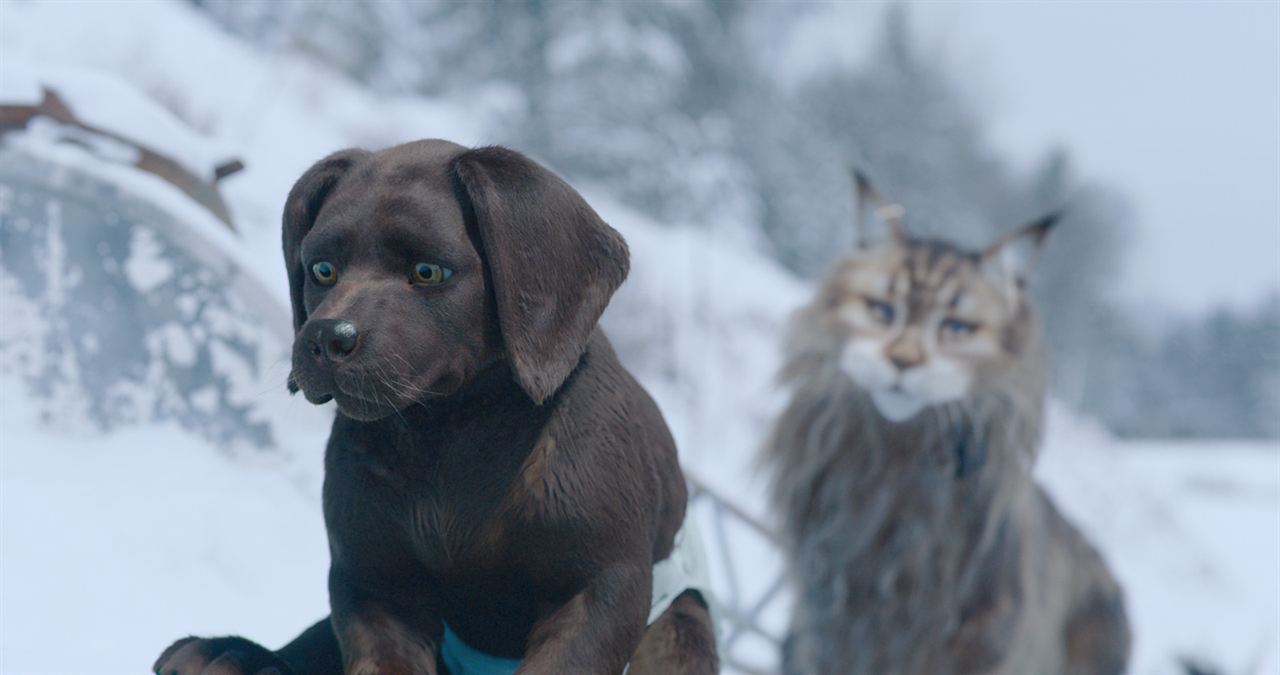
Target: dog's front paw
219, 656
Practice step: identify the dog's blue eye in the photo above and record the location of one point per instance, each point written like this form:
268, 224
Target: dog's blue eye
429, 273
325, 273
880, 311
958, 328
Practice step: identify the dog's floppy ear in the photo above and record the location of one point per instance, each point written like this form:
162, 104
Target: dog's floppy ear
300, 211
552, 261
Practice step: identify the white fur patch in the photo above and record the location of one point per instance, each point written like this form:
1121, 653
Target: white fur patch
896, 406
899, 396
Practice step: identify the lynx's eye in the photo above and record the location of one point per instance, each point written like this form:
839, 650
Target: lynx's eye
880, 311
429, 273
958, 328
325, 273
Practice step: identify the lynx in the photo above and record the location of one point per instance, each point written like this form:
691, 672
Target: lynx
917, 541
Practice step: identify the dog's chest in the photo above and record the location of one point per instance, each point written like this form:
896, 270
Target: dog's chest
430, 502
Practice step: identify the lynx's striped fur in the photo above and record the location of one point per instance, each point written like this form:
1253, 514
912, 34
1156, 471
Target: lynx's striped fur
917, 541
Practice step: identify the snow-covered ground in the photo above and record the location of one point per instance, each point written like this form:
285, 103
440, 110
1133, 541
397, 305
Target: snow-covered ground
1193, 532
112, 545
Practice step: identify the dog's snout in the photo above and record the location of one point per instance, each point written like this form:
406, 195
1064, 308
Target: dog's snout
333, 339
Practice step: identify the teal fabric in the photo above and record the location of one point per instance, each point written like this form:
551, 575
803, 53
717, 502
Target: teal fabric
462, 659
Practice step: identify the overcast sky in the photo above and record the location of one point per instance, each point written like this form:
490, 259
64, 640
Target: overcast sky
1175, 104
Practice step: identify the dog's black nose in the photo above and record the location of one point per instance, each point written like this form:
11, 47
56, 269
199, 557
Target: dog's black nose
335, 339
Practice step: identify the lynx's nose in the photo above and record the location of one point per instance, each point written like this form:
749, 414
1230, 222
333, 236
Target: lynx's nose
905, 354
333, 339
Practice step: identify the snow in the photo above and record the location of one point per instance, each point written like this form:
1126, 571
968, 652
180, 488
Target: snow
112, 545
1193, 532
276, 113
103, 101
124, 542
144, 270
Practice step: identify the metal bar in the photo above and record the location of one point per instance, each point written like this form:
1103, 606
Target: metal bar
700, 489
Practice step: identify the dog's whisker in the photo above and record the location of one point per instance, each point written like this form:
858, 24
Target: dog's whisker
384, 379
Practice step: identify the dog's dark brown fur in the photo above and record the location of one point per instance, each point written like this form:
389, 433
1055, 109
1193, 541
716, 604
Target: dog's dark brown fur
492, 465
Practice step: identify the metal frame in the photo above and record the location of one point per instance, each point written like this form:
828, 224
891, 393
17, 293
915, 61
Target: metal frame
742, 619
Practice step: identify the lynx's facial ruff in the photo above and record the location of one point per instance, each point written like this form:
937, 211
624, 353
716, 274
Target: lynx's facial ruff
923, 321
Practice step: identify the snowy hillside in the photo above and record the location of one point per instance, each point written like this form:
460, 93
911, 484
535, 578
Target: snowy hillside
113, 544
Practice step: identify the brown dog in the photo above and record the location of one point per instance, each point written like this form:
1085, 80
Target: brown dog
494, 480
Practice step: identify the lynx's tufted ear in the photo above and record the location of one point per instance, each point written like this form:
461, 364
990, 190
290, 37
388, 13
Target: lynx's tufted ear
552, 261
883, 223
1011, 257
300, 211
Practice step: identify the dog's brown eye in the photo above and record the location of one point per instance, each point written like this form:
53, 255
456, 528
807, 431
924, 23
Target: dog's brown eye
428, 273
325, 273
